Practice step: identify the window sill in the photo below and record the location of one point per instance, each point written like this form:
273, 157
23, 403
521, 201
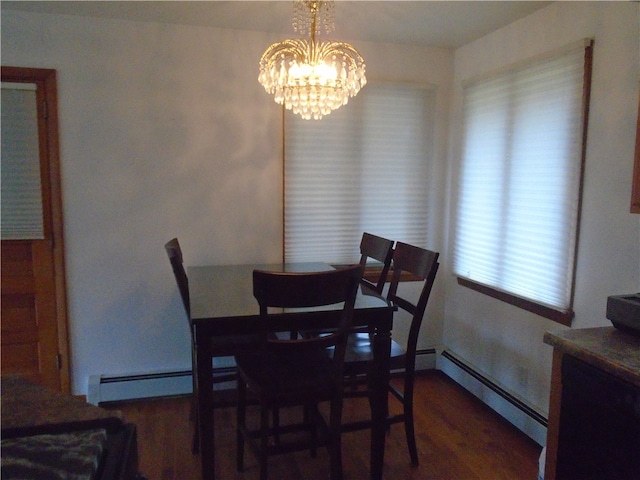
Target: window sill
563, 318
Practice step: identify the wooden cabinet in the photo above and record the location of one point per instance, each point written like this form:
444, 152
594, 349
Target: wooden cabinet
599, 434
594, 411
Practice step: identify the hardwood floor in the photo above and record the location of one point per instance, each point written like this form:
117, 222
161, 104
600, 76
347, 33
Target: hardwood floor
458, 437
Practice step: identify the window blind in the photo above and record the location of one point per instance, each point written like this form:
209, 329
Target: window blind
363, 168
519, 184
21, 204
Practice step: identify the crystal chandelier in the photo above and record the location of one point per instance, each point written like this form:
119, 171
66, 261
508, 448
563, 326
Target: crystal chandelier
308, 76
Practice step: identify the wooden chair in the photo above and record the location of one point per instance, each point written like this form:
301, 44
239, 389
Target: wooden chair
422, 264
174, 252
225, 346
380, 249
377, 248
285, 373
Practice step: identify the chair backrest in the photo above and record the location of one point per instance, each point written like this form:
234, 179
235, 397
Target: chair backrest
174, 252
298, 290
419, 263
380, 249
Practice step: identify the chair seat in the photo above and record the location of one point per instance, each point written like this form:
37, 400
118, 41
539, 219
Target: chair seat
273, 376
359, 353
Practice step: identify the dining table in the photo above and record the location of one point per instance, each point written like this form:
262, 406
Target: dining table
223, 305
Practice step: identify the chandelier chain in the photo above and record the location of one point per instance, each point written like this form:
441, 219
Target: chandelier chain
312, 17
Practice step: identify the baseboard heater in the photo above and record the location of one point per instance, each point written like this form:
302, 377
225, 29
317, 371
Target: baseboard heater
426, 359
114, 388
523, 416
520, 405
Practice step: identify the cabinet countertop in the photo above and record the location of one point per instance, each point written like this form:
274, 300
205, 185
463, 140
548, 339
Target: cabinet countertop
607, 348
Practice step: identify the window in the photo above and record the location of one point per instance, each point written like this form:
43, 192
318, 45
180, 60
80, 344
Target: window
22, 216
520, 182
365, 167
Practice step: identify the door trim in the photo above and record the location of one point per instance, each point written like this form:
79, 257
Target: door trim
47, 98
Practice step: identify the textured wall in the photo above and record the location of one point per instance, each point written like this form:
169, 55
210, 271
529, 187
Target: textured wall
165, 131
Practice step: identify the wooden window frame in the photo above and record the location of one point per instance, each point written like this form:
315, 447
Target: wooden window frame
562, 317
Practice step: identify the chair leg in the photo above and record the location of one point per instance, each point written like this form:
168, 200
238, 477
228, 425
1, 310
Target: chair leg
276, 426
411, 436
335, 439
310, 413
408, 422
195, 442
370, 390
241, 424
264, 442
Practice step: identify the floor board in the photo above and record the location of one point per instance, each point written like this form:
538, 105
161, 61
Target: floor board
459, 438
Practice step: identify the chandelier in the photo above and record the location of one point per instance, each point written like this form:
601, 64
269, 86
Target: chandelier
308, 76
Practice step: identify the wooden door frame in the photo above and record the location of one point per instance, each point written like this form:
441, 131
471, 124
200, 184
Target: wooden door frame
47, 100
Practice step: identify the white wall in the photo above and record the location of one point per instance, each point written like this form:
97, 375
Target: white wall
165, 131
500, 340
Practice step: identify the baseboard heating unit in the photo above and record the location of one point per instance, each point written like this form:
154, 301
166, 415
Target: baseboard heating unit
525, 417
113, 388
426, 359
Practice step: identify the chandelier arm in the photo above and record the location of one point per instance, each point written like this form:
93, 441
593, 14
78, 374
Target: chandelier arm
327, 49
296, 47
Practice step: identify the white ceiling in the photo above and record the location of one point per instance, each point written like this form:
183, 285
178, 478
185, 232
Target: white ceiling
448, 24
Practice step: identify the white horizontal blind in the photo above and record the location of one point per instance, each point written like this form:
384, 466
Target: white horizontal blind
363, 168
21, 214
520, 180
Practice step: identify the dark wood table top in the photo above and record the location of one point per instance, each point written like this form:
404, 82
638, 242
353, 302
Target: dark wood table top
224, 295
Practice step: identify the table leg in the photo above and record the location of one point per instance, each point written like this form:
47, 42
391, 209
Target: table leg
379, 380
204, 372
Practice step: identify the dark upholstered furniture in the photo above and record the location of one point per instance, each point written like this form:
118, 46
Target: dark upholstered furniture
46, 434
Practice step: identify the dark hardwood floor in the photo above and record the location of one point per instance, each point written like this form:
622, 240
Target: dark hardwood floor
458, 437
